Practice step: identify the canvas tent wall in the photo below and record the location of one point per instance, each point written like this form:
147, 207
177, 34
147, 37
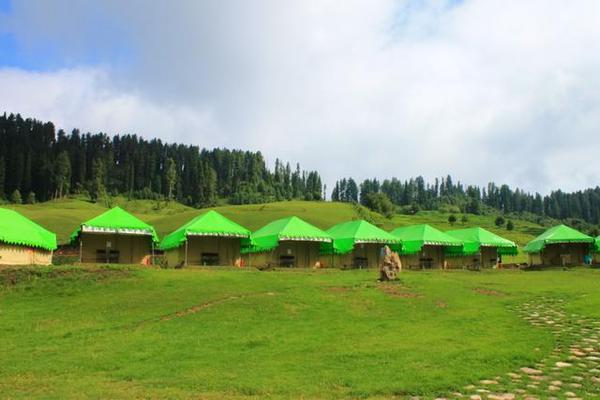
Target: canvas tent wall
355, 244
208, 239
288, 242
597, 250
115, 237
23, 242
480, 249
560, 245
423, 246
486, 257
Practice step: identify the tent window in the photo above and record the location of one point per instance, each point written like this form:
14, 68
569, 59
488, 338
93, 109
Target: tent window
287, 261
426, 262
360, 262
210, 259
107, 256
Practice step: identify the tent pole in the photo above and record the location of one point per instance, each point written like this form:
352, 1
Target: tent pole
480, 259
152, 261
186, 252
80, 250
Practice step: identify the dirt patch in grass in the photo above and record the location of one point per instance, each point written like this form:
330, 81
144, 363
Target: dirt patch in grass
199, 307
488, 292
398, 291
441, 304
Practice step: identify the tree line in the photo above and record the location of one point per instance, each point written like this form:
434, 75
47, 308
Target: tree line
412, 195
39, 163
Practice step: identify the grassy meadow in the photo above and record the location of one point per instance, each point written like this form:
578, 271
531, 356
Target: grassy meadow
129, 332
219, 333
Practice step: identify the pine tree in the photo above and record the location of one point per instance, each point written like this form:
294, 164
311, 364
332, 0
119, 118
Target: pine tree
62, 174
210, 186
352, 191
170, 177
2, 177
97, 187
335, 193
27, 178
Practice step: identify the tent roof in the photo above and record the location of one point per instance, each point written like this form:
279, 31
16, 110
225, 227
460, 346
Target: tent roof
116, 220
557, 234
16, 229
347, 234
414, 237
475, 238
291, 228
597, 244
210, 223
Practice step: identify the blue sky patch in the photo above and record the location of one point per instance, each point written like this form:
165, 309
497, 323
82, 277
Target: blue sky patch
5, 6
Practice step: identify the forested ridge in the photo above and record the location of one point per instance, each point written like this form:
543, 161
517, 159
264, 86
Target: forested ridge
416, 194
39, 163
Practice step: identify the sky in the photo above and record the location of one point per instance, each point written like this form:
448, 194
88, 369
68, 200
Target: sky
484, 90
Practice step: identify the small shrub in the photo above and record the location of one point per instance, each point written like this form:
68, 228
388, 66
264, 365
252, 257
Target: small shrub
452, 219
15, 197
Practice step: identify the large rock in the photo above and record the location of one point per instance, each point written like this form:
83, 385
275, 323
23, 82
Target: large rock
390, 265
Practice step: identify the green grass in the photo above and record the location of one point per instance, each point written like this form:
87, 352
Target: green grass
63, 216
217, 333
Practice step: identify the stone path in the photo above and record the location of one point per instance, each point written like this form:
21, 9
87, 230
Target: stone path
570, 371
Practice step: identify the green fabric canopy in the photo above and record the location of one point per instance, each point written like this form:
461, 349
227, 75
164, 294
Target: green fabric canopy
597, 245
475, 238
293, 228
557, 234
15, 229
416, 236
347, 234
210, 223
116, 220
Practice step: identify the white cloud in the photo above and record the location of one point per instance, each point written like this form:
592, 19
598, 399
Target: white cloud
484, 90
84, 99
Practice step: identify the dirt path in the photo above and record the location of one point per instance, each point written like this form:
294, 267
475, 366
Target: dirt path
202, 306
571, 371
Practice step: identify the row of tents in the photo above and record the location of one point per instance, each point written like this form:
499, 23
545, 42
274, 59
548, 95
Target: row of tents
117, 236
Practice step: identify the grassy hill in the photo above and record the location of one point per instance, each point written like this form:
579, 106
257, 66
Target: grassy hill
63, 216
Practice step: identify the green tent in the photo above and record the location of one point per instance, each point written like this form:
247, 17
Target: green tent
210, 223
416, 236
347, 234
475, 238
293, 228
597, 245
557, 234
115, 220
15, 229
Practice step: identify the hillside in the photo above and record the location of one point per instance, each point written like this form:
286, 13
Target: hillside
133, 166
63, 216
